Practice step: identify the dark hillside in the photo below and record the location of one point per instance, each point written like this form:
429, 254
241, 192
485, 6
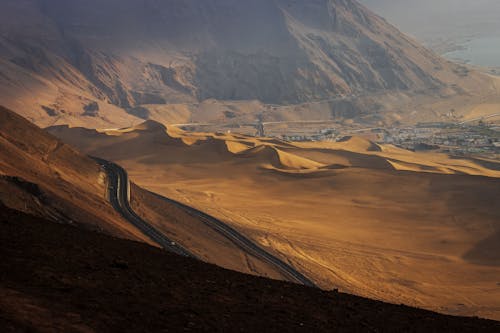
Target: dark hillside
60, 278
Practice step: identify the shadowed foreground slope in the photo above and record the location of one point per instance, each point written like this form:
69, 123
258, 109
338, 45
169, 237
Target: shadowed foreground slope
58, 277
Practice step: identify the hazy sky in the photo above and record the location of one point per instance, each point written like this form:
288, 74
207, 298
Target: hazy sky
436, 19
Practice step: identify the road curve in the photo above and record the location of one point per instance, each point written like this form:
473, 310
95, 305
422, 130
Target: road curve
119, 198
118, 187
242, 242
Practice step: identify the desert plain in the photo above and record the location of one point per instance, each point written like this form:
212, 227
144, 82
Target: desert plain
379, 221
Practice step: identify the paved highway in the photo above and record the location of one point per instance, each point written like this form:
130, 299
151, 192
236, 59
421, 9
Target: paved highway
119, 197
118, 186
242, 242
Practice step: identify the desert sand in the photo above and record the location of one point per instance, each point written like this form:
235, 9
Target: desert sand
374, 220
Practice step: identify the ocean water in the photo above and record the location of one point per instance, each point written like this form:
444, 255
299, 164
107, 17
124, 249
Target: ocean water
483, 51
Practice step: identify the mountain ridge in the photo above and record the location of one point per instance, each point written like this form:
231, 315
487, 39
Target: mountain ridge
110, 56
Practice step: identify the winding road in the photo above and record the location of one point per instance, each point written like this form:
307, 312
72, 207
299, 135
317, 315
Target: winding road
119, 196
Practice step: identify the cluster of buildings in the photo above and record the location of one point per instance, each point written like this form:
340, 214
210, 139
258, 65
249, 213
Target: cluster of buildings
458, 139
329, 134
441, 137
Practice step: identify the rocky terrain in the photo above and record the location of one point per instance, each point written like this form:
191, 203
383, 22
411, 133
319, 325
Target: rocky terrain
60, 278
107, 63
42, 176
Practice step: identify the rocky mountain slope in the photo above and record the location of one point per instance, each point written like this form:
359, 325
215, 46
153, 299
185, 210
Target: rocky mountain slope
60, 278
42, 176
87, 62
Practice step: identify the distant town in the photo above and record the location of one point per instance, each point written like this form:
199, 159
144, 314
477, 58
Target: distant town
458, 139
477, 137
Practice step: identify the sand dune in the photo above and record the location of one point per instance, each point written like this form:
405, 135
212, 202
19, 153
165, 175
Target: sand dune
353, 152
236, 147
375, 220
355, 143
272, 158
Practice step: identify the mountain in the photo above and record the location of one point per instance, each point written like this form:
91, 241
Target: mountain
60, 278
100, 63
42, 176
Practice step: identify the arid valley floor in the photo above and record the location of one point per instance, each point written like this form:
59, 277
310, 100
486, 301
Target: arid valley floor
374, 220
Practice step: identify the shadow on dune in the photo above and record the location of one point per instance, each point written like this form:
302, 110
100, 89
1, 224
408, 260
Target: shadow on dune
474, 201
484, 163
365, 160
486, 252
371, 145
